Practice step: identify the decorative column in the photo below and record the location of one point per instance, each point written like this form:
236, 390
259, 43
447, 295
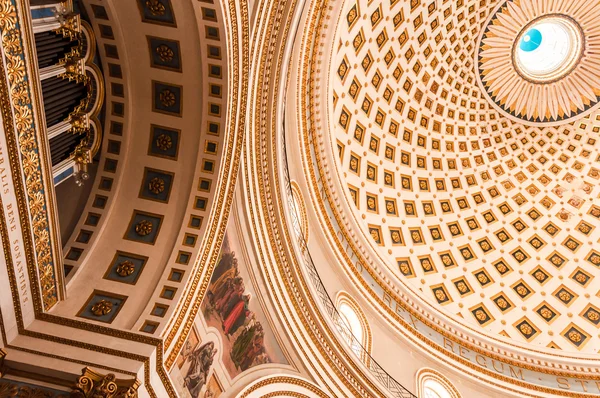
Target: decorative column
96, 385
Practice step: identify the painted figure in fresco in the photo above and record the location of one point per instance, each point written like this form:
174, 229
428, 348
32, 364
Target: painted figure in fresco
236, 317
197, 374
256, 348
226, 262
261, 359
227, 300
245, 345
220, 285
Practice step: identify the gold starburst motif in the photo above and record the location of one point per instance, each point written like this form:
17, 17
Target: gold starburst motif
569, 88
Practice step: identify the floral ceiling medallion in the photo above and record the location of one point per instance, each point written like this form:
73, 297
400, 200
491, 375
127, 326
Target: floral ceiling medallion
537, 60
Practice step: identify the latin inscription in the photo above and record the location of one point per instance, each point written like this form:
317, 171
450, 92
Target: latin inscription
12, 224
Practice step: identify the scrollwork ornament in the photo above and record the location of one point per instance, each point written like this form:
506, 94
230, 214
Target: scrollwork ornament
95, 385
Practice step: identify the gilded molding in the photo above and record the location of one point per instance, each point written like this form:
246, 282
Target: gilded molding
17, 100
294, 381
261, 191
188, 307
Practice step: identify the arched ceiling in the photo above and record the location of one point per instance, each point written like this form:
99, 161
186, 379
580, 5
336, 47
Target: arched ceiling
493, 220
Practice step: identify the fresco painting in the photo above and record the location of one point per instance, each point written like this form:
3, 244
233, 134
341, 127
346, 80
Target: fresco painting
231, 335
230, 306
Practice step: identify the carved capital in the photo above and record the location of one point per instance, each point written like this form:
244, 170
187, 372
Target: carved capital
95, 385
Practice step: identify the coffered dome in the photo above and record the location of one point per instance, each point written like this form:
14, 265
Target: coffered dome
467, 142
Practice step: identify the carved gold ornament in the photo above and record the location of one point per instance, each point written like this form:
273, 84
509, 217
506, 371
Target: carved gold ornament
593, 315
156, 185
125, 268
525, 329
102, 307
95, 385
575, 336
440, 295
481, 315
144, 228
165, 53
404, 268
22, 118
167, 98
502, 303
164, 142
156, 7
564, 296
539, 275
546, 313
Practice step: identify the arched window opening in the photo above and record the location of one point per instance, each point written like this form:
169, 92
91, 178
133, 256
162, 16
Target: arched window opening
433, 389
353, 326
353, 332
300, 217
433, 384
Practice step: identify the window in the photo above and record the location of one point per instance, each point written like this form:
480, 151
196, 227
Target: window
353, 332
353, 326
433, 389
299, 216
433, 384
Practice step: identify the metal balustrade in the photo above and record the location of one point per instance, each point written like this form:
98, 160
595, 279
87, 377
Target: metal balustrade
384, 378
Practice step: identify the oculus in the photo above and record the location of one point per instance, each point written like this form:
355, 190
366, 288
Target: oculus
548, 49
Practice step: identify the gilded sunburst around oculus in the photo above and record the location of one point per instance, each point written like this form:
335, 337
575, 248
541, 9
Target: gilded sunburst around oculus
564, 94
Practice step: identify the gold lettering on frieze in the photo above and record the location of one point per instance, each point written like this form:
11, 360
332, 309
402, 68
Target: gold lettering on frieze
449, 344
517, 374
12, 220
563, 383
481, 360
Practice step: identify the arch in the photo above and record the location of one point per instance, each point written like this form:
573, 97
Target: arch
301, 216
282, 386
432, 384
357, 332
